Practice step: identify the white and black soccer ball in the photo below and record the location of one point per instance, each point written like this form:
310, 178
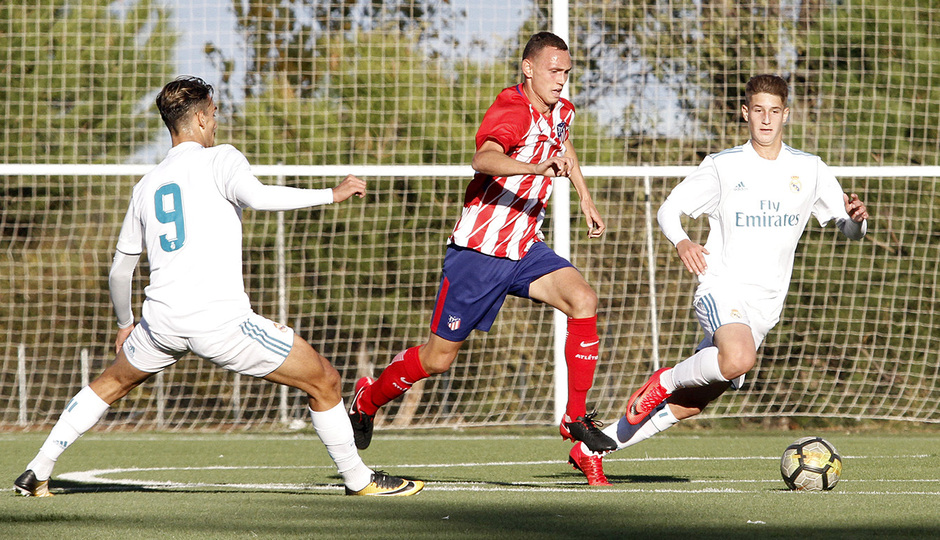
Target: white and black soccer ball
811, 464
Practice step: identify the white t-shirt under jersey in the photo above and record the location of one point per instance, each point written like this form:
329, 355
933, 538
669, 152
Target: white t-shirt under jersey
187, 214
757, 210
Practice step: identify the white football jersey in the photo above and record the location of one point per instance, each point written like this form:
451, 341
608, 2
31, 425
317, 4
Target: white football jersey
757, 210
185, 215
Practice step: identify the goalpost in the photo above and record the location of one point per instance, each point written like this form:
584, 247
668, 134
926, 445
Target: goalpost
856, 339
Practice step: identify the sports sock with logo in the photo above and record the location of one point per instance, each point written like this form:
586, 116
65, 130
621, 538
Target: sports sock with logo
335, 431
581, 349
82, 412
627, 434
395, 380
700, 369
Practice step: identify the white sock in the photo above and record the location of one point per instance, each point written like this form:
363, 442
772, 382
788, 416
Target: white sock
82, 412
700, 369
336, 433
627, 434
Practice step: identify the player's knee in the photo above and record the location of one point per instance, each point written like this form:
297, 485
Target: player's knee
737, 363
330, 378
582, 301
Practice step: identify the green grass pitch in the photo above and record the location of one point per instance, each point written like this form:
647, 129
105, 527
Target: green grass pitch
481, 484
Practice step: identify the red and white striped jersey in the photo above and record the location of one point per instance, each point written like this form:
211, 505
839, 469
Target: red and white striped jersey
502, 216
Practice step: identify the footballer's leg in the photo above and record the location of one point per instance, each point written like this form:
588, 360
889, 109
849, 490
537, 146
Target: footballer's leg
306, 369
684, 403
731, 355
82, 412
407, 368
566, 290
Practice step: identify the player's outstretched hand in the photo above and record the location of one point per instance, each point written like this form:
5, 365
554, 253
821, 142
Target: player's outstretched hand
350, 186
692, 256
122, 337
855, 208
555, 166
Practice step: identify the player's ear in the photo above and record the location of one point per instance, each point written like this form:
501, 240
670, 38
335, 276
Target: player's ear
527, 68
744, 112
786, 114
201, 117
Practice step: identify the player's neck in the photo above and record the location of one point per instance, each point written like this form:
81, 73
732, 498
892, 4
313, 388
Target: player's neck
180, 139
768, 151
540, 106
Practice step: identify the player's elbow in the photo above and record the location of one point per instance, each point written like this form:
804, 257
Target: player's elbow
481, 162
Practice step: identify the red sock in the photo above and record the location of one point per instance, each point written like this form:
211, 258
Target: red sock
395, 380
581, 347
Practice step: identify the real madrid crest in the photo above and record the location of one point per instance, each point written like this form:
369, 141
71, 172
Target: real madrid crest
795, 184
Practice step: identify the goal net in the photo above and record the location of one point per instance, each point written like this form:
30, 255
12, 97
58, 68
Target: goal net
310, 90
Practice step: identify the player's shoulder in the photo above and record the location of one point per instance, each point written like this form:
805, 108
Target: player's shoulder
512, 96
799, 154
226, 151
729, 153
510, 107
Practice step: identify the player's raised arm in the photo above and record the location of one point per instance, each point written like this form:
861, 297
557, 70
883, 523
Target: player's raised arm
250, 192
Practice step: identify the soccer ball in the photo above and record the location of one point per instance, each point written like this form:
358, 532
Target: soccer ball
811, 464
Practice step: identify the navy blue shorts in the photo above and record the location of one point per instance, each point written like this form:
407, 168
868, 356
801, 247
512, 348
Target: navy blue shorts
475, 285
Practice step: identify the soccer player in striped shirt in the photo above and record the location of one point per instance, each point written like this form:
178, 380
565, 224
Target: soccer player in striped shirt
496, 247
758, 197
187, 214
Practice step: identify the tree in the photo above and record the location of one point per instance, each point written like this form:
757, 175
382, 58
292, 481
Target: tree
79, 79
77, 88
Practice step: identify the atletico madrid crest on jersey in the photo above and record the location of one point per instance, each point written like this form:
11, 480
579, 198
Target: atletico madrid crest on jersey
561, 130
453, 323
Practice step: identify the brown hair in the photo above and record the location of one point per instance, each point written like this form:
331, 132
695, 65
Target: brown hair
541, 41
767, 84
180, 98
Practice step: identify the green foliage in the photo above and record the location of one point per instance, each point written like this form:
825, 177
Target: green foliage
403, 111
874, 89
79, 78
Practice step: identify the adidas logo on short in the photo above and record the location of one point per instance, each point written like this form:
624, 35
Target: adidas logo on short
740, 187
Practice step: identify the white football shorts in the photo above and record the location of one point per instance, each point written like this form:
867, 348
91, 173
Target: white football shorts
255, 346
718, 307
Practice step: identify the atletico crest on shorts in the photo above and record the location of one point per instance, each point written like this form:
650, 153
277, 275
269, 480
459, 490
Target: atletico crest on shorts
453, 323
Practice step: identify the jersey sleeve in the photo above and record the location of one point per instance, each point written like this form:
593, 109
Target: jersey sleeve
253, 194
506, 122
830, 204
700, 192
131, 238
119, 287
241, 187
230, 168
